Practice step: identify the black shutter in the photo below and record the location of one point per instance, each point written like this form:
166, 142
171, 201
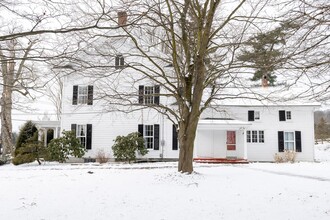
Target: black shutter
141, 91
74, 128
75, 95
90, 95
281, 115
156, 137
156, 97
174, 138
122, 61
140, 130
89, 137
298, 141
280, 141
250, 115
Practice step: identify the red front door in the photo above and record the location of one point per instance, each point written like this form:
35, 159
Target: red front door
231, 140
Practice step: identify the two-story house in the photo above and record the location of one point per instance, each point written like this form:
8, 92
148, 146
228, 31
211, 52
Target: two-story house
246, 129
99, 107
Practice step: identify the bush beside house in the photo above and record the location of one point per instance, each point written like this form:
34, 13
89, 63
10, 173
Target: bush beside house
126, 147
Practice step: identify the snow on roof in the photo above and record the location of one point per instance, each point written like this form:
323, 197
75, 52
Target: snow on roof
221, 123
261, 96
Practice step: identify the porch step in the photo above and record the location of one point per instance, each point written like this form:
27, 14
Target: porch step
221, 160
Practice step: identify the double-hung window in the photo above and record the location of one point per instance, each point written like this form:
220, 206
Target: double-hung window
81, 134
84, 133
288, 115
82, 94
253, 115
289, 141
149, 95
285, 115
150, 134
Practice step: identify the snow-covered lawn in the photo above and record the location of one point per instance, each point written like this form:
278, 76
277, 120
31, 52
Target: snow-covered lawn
157, 191
322, 152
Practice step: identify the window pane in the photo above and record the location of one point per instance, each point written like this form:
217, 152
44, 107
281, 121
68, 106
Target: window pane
83, 141
248, 136
81, 134
149, 130
288, 115
288, 136
261, 137
149, 143
256, 115
82, 94
254, 137
289, 145
148, 92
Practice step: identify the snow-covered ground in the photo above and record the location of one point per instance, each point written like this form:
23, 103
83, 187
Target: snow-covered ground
157, 191
322, 152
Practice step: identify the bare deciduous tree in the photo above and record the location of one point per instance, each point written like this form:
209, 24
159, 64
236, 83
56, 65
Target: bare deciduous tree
15, 78
188, 48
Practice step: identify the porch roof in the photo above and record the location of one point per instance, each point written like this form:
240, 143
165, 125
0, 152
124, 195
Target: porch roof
47, 124
221, 124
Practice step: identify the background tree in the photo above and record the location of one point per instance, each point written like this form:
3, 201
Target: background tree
322, 131
307, 50
28, 39
265, 53
28, 132
30, 151
15, 78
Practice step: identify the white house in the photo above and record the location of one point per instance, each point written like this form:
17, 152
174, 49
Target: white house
237, 128
241, 128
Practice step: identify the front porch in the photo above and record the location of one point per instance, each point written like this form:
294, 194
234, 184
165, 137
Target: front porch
221, 160
221, 140
44, 126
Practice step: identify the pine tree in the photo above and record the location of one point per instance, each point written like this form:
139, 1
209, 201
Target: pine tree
322, 131
266, 56
26, 132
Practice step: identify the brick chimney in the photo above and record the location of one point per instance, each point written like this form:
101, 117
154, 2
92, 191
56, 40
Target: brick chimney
122, 18
264, 81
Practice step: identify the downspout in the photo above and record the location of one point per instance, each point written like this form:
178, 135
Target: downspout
162, 142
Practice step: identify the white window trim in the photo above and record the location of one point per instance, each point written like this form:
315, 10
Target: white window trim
148, 98
249, 137
82, 98
150, 137
78, 134
293, 141
286, 115
257, 113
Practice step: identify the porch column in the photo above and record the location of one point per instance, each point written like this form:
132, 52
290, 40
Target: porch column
45, 137
40, 132
245, 144
55, 133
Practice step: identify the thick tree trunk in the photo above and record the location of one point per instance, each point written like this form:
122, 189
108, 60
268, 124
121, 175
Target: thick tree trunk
6, 107
187, 134
190, 118
6, 110
6, 128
